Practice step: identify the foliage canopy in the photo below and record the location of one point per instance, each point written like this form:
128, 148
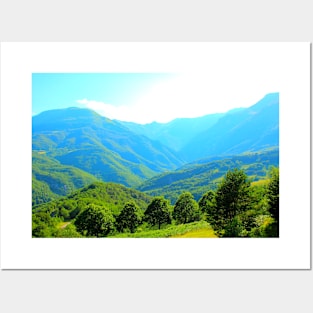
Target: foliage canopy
186, 209
158, 212
95, 221
129, 218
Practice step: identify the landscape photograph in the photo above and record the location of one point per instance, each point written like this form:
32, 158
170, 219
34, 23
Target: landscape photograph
153, 155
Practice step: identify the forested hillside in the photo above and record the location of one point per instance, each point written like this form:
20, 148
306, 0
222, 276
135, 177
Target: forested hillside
51, 179
196, 178
234, 209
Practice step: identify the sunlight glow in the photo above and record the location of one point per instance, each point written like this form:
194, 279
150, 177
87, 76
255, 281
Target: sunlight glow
182, 96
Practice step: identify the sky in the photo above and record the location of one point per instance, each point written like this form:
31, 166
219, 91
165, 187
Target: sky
147, 97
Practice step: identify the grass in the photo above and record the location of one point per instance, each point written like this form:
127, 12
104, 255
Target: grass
200, 229
198, 233
260, 182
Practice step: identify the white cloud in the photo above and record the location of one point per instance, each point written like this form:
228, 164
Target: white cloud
123, 113
189, 95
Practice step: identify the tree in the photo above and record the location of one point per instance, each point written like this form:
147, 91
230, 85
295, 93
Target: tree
129, 218
273, 195
95, 221
232, 198
158, 212
43, 225
234, 228
186, 209
207, 206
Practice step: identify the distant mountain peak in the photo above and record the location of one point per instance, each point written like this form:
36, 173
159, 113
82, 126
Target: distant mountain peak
67, 110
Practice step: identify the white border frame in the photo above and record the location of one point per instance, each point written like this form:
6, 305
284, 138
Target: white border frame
20, 251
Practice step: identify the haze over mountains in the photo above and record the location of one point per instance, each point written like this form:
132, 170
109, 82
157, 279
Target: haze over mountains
73, 146
234, 132
177, 133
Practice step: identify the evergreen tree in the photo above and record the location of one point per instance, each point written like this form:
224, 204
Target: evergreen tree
232, 198
273, 195
158, 212
186, 209
207, 206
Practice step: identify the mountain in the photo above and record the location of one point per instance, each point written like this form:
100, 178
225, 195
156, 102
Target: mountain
177, 133
100, 146
73, 147
250, 129
199, 178
237, 131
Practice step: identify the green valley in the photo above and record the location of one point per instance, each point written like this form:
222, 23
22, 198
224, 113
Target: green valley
205, 177
196, 177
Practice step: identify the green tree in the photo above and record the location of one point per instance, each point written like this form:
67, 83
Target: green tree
43, 225
273, 195
265, 227
95, 221
232, 198
64, 213
234, 228
158, 212
207, 206
186, 209
129, 218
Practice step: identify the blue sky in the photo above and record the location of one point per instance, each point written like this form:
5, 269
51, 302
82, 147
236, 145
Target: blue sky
143, 97
61, 90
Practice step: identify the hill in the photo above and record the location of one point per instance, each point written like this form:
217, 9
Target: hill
51, 179
111, 195
198, 178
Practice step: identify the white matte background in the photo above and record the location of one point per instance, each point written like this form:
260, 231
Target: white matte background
285, 65
221, 291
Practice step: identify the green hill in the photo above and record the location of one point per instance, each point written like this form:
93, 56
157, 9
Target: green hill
198, 178
111, 195
51, 179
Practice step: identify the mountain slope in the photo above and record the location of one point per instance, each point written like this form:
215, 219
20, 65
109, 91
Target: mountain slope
250, 129
74, 147
198, 178
99, 146
51, 179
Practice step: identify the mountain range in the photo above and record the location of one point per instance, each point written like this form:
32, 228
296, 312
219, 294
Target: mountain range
239, 130
73, 147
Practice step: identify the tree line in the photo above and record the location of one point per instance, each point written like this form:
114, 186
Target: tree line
235, 209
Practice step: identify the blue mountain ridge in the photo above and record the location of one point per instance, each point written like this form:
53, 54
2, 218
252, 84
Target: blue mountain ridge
129, 153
